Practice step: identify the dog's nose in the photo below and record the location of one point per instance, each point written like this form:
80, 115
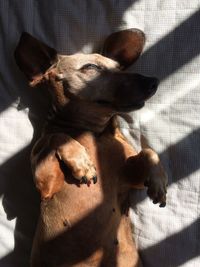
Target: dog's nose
148, 84
152, 84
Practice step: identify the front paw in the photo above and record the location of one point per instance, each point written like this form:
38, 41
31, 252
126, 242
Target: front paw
84, 171
79, 163
157, 185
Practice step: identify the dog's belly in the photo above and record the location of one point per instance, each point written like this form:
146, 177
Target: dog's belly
83, 226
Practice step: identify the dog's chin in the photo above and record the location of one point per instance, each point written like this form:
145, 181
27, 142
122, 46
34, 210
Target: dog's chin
135, 106
131, 107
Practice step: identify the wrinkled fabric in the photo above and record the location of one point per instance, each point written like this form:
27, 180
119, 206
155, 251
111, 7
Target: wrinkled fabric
169, 122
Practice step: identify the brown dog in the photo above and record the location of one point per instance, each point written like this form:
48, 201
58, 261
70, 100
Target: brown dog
87, 225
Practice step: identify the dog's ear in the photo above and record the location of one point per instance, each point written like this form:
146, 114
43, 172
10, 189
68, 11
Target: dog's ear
124, 46
33, 57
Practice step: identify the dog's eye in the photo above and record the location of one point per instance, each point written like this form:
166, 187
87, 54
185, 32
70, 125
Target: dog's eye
91, 66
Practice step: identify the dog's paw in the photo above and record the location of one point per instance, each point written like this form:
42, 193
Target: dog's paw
79, 163
157, 185
84, 171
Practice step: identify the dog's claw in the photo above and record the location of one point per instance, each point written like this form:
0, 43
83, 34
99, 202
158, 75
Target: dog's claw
155, 201
162, 205
94, 179
84, 180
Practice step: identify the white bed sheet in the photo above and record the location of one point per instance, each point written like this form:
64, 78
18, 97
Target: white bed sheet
169, 122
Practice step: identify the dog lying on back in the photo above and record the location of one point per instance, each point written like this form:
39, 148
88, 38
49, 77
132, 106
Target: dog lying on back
87, 225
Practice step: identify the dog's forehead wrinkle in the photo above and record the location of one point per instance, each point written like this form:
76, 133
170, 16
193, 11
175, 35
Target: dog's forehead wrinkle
76, 61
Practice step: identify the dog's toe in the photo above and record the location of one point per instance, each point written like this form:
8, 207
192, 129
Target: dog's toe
86, 175
84, 180
162, 205
156, 190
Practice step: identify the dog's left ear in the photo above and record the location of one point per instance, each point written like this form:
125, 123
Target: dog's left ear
33, 56
124, 46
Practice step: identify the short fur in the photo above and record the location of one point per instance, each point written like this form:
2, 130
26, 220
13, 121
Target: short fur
88, 225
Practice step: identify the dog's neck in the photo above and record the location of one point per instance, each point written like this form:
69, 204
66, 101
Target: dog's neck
79, 116
74, 115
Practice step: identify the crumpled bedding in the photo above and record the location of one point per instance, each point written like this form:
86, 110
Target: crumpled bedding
169, 122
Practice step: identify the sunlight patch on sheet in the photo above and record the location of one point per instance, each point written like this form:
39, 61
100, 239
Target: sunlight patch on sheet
168, 98
16, 132
87, 48
173, 209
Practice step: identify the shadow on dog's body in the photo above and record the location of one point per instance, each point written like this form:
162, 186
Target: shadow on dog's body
82, 225
86, 224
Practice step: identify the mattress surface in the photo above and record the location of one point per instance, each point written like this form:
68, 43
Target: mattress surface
169, 122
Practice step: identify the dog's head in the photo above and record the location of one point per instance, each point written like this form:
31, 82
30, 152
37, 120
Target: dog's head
91, 80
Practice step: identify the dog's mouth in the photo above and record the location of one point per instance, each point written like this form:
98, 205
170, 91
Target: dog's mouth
123, 108
131, 107
139, 104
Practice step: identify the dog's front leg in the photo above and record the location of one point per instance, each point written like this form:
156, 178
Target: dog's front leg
75, 156
145, 169
46, 155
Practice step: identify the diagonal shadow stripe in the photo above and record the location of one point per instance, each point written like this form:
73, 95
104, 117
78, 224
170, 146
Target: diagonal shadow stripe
22, 205
178, 254
166, 70
183, 157
181, 161
174, 50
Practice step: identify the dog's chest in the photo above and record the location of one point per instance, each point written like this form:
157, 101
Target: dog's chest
97, 204
106, 152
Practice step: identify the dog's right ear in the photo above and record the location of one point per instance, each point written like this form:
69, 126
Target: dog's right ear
124, 46
33, 56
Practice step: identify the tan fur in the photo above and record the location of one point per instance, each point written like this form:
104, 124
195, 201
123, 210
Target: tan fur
48, 175
87, 225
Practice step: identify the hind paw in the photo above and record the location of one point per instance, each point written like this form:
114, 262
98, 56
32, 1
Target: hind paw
157, 185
